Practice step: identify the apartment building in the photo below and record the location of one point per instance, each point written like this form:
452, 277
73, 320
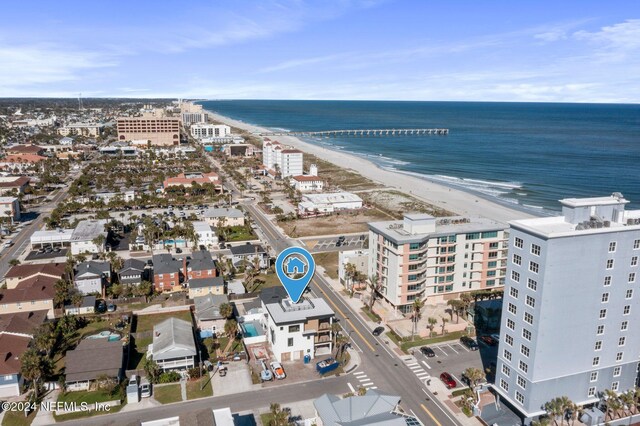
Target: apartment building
160, 130
203, 131
10, 208
435, 259
570, 305
189, 118
280, 159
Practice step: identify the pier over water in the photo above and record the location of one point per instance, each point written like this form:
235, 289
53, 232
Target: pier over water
362, 132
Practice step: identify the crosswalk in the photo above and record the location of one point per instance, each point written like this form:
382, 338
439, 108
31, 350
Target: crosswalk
417, 369
365, 381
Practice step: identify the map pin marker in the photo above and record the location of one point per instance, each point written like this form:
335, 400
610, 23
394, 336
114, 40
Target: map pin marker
291, 262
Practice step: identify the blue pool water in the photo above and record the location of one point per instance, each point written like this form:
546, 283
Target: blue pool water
250, 330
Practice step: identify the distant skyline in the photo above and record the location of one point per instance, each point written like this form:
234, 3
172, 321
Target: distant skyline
542, 51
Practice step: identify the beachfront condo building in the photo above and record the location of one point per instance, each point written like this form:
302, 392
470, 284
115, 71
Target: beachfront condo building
280, 159
189, 118
436, 259
156, 130
210, 131
570, 305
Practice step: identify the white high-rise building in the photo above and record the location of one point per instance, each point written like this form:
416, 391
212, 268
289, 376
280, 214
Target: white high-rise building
276, 156
571, 305
210, 131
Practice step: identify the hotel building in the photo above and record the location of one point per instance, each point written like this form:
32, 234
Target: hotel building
161, 130
435, 259
570, 305
210, 131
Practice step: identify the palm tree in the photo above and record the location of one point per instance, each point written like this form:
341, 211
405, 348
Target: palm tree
418, 304
374, 286
230, 328
628, 400
474, 375
455, 306
444, 323
431, 325
226, 310
99, 242
612, 403
349, 271
555, 409
279, 417
34, 367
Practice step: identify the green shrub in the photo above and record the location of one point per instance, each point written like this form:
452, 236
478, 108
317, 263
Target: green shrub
169, 377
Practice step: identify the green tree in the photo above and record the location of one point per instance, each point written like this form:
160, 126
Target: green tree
416, 316
279, 417
374, 286
431, 321
151, 369
474, 375
226, 310
14, 262
444, 323
34, 367
230, 328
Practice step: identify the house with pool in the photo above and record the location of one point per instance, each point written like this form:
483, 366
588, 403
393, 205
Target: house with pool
294, 330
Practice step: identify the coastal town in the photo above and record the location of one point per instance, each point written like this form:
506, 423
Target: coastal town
139, 285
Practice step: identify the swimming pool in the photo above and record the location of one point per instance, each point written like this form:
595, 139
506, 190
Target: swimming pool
110, 335
251, 329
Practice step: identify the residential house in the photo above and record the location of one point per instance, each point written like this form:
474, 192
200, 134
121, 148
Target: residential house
91, 359
133, 272
297, 329
224, 217
11, 349
245, 254
372, 408
307, 183
31, 288
206, 234
201, 265
87, 306
16, 331
207, 313
10, 208
168, 272
92, 277
203, 286
13, 184
174, 346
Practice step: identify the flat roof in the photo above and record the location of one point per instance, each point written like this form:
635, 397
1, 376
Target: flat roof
594, 201
7, 200
394, 229
88, 229
557, 226
333, 197
287, 312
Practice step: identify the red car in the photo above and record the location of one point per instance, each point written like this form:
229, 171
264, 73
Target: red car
448, 381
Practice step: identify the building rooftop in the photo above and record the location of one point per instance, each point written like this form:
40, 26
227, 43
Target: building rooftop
173, 338
201, 226
306, 178
208, 307
7, 200
92, 358
594, 201
27, 270
89, 229
134, 264
92, 268
273, 294
223, 212
54, 235
206, 282
13, 181
11, 349
35, 288
22, 322
417, 227
373, 408
247, 249
286, 311
164, 263
201, 261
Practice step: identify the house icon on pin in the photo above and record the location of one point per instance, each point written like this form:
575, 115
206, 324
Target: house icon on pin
295, 266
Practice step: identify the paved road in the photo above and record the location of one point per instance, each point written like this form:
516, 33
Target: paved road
245, 401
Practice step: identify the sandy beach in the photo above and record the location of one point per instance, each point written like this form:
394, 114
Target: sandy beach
454, 200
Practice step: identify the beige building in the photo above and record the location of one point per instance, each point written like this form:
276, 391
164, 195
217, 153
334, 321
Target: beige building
158, 130
436, 259
83, 129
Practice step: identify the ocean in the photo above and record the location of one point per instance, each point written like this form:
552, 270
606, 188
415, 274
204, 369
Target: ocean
530, 154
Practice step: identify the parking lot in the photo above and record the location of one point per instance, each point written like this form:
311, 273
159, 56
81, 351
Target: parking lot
453, 358
38, 255
351, 242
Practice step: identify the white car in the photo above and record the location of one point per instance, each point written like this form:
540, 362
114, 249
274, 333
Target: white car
145, 389
278, 371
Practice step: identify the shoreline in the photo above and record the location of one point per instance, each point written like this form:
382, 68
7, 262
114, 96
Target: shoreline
457, 201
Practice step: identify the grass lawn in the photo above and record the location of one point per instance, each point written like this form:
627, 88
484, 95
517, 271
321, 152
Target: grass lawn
270, 280
167, 393
338, 223
372, 315
239, 233
89, 397
146, 322
329, 261
17, 418
194, 391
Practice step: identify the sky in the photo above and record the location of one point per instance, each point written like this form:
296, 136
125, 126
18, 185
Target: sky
462, 50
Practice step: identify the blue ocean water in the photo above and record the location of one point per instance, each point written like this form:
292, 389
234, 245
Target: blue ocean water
532, 154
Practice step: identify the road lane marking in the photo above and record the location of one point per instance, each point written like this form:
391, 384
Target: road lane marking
359, 373
423, 376
373, 387
456, 379
367, 383
351, 387
426, 365
464, 347
412, 364
451, 347
431, 415
353, 327
446, 354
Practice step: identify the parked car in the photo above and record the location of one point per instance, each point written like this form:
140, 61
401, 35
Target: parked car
377, 331
488, 340
278, 371
469, 343
133, 380
111, 307
427, 351
145, 389
178, 250
102, 307
448, 380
